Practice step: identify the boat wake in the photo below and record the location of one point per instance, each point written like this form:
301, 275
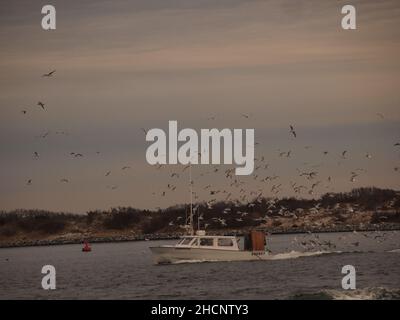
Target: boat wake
193, 261
278, 256
373, 293
297, 254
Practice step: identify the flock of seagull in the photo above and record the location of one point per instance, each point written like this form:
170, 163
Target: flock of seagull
312, 241
311, 177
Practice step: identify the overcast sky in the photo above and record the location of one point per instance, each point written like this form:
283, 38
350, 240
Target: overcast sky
126, 65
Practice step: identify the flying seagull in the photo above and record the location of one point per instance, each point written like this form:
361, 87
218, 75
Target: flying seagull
44, 135
49, 74
292, 131
353, 177
41, 104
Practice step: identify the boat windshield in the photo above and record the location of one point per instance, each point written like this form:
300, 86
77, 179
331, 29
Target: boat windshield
185, 241
225, 242
209, 242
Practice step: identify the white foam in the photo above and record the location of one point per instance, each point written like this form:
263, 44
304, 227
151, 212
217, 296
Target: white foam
297, 254
376, 293
278, 256
194, 261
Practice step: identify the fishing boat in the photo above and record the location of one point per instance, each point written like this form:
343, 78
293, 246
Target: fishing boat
199, 247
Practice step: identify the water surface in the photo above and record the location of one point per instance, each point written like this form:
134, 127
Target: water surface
125, 270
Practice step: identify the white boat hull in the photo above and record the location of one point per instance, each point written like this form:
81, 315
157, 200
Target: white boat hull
173, 254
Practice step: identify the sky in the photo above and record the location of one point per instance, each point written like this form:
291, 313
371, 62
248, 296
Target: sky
126, 65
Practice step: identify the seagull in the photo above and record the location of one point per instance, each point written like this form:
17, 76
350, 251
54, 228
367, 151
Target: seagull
292, 131
64, 180
108, 173
397, 144
315, 184
310, 175
41, 104
49, 74
222, 221
23, 111
44, 135
344, 154
245, 115
353, 177
368, 156
125, 167
29, 182
36, 154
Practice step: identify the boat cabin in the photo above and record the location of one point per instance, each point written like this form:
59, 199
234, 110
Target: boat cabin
209, 242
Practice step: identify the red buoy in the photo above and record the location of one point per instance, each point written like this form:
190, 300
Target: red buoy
86, 247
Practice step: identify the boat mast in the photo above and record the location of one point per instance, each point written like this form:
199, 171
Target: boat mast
191, 200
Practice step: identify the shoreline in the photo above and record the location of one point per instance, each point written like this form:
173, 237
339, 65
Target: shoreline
177, 235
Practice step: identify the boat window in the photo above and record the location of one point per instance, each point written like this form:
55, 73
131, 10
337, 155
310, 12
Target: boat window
186, 241
206, 242
225, 242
